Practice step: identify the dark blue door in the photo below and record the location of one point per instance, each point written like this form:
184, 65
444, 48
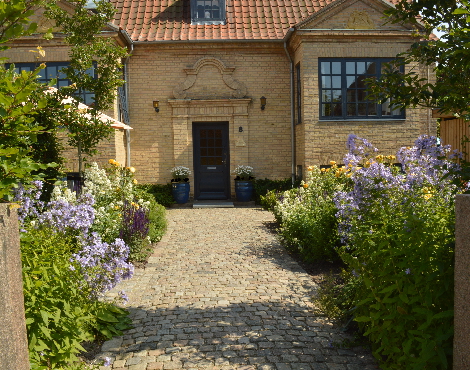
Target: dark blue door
211, 160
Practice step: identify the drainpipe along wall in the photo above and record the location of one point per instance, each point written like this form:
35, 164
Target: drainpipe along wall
126, 79
292, 103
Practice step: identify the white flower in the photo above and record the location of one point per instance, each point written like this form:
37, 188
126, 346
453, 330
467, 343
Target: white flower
180, 172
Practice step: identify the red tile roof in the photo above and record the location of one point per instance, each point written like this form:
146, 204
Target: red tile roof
170, 20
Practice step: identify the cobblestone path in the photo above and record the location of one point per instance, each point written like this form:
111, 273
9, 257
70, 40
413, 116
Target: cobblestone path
219, 292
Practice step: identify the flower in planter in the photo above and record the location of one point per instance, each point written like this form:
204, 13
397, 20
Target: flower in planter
180, 174
243, 173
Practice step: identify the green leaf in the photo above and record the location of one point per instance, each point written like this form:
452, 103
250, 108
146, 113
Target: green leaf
106, 316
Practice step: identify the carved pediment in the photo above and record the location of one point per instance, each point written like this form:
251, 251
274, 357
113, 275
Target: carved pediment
209, 78
360, 20
353, 15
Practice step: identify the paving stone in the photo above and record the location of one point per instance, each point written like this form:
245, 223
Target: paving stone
221, 293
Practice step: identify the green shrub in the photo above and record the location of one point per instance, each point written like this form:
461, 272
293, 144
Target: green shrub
60, 307
161, 193
263, 186
336, 295
398, 230
307, 215
158, 222
56, 303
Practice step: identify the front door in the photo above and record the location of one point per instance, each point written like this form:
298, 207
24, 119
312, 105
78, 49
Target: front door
211, 160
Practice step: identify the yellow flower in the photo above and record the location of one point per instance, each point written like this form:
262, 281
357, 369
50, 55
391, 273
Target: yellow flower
323, 169
111, 161
134, 181
310, 168
305, 186
332, 163
338, 173
132, 169
427, 196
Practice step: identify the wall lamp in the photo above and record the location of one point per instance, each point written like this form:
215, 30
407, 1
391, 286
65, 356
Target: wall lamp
155, 105
263, 102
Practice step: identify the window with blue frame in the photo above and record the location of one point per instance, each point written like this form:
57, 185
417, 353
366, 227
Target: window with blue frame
343, 91
53, 70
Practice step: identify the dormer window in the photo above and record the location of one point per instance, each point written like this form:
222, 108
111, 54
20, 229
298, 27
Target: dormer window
207, 11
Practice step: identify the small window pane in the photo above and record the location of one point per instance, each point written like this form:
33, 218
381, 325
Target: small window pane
351, 68
337, 110
361, 68
362, 109
326, 82
327, 96
211, 151
372, 109
326, 110
371, 68
203, 152
203, 141
336, 68
361, 95
325, 68
352, 110
336, 82
350, 81
351, 96
61, 73
336, 95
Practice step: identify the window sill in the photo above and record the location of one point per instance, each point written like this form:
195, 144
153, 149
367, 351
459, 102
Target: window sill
208, 22
361, 119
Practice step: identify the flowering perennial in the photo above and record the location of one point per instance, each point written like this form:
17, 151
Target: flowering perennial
180, 173
243, 172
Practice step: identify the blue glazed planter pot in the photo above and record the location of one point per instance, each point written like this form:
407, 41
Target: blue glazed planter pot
180, 191
243, 190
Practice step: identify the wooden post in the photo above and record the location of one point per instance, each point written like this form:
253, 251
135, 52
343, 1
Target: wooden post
462, 283
13, 343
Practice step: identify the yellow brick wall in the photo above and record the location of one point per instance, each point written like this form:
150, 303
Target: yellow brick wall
160, 141
320, 141
156, 70
114, 148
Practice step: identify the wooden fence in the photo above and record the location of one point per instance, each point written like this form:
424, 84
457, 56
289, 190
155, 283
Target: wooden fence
453, 131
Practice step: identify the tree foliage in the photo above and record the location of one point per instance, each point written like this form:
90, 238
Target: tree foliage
29, 118
447, 57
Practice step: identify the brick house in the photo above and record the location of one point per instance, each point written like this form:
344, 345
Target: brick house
210, 65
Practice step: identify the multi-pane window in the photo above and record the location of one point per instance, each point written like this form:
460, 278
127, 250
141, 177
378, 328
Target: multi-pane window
343, 90
207, 11
211, 147
298, 95
53, 70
